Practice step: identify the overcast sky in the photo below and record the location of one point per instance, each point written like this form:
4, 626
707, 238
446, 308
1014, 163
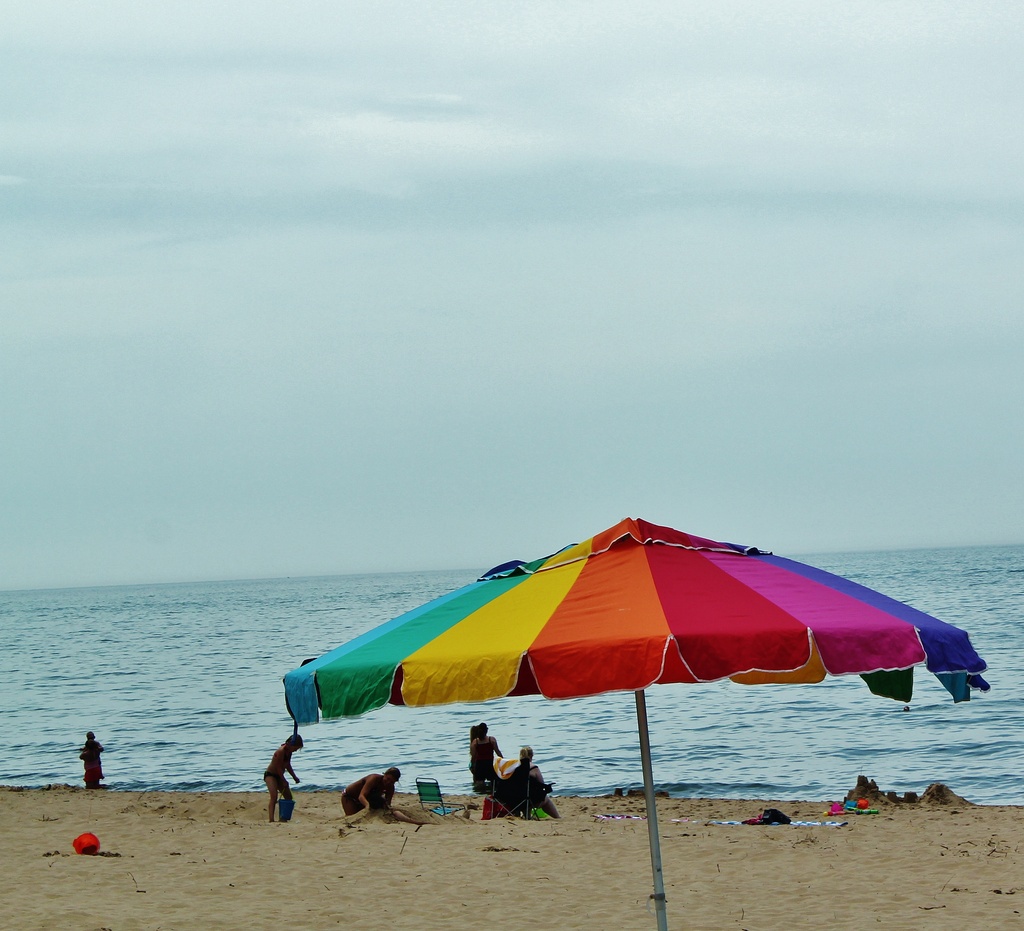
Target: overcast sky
321, 287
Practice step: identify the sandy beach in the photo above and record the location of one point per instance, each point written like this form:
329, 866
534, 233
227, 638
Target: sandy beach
184, 861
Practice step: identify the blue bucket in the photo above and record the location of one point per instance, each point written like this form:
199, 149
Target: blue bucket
285, 807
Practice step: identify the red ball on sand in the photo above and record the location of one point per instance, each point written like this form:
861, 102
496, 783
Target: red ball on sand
87, 844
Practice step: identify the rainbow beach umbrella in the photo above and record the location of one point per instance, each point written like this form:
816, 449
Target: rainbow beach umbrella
635, 606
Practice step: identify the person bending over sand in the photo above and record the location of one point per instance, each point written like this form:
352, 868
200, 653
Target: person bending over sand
376, 791
274, 776
373, 791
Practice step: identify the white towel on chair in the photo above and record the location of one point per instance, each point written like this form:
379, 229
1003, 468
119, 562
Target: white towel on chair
504, 768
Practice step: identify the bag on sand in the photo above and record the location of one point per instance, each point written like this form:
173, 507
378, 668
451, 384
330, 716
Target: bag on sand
770, 816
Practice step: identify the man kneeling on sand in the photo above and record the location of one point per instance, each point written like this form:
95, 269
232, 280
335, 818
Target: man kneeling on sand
376, 791
373, 791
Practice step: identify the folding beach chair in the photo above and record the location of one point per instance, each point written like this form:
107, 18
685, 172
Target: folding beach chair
431, 799
514, 789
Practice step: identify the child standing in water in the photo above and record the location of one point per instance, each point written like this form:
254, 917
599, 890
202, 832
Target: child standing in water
90, 756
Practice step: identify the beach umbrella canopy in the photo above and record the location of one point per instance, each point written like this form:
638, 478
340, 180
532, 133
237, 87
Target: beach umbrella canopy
634, 606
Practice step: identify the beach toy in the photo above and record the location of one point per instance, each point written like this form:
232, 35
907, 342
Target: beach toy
836, 809
863, 803
285, 807
87, 844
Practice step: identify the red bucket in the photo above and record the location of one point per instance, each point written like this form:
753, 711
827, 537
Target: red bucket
87, 844
488, 809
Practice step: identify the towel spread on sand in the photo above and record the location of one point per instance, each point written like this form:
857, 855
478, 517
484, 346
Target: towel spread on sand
820, 824
806, 824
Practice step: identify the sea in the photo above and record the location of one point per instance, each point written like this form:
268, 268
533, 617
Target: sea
182, 684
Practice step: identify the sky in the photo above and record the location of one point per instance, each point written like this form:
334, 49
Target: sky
327, 288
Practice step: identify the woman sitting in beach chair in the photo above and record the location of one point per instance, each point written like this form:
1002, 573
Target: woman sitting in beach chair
520, 788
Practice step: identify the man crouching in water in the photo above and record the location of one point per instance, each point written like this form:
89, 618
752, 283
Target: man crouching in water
279, 763
372, 791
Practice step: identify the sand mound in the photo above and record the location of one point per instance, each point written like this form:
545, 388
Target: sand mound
940, 794
408, 815
867, 788
936, 794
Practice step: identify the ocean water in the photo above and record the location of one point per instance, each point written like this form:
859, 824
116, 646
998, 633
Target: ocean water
182, 685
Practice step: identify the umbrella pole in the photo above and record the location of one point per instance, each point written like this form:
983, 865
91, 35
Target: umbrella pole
652, 811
